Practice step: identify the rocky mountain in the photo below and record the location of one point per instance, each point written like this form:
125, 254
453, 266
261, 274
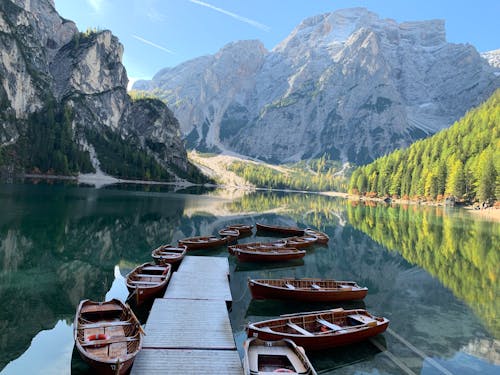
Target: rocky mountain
493, 58
347, 83
56, 82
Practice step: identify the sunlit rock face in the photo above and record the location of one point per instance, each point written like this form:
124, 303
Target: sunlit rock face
44, 58
347, 83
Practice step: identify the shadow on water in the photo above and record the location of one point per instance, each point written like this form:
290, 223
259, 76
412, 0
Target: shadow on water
252, 266
333, 359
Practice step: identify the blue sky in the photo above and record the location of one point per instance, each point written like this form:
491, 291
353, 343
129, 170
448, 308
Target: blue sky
164, 33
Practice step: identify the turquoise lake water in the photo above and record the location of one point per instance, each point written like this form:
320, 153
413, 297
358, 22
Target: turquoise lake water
433, 272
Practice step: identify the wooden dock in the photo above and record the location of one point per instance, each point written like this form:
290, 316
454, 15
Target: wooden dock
188, 330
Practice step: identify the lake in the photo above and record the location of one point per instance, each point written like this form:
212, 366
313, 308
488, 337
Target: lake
433, 272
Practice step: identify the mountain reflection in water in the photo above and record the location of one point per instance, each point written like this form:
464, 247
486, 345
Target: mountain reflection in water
433, 273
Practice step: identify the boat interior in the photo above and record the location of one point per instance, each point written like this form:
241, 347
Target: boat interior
105, 332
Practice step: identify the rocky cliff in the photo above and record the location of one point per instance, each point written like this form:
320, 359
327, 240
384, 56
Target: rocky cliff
47, 65
347, 84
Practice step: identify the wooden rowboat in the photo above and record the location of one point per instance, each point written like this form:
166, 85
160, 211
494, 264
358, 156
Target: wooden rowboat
310, 290
289, 231
107, 335
255, 245
299, 242
282, 356
268, 254
320, 329
321, 238
242, 228
203, 242
148, 280
169, 254
231, 235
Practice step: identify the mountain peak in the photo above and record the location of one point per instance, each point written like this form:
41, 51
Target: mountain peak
331, 30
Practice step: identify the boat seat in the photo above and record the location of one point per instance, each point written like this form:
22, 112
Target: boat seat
315, 286
289, 286
111, 340
101, 308
363, 319
104, 324
143, 282
299, 329
153, 268
327, 324
148, 275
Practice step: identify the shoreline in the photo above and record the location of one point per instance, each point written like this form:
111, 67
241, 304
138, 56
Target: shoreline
100, 180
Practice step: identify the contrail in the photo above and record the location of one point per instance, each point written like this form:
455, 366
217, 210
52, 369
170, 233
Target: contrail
233, 15
152, 44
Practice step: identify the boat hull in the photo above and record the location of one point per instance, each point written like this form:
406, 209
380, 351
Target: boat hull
264, 357
321, 342
150, 283
119, 327
197, 244
267, 257
162, 255
260, 291
289, 231
101, 368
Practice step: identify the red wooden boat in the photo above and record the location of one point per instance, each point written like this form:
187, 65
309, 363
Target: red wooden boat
107, 335
321, 238
203, 242
310, 290
299, 242
169, 254
268, 254
320, 329
282, 356
255, 245
148, 280
289, 231
242, 228
231, 235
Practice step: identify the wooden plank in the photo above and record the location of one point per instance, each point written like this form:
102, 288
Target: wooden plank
299, 329
198, 286
187, 362
186, 324
104, 324
112, 340
153, 268
332, 326
207, 265
149, 275
144, 282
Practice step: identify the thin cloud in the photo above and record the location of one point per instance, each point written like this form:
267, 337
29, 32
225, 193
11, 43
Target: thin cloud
253, 23
97, 5
152, 44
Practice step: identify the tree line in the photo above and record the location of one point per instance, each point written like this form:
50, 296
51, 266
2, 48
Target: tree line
462, 161
313, 175
46, 144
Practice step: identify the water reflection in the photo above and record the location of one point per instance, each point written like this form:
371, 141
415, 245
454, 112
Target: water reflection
464, 254
37, 360
59, 244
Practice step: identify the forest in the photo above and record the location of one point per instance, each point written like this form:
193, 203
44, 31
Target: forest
462, 161
312, 175
46, 145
